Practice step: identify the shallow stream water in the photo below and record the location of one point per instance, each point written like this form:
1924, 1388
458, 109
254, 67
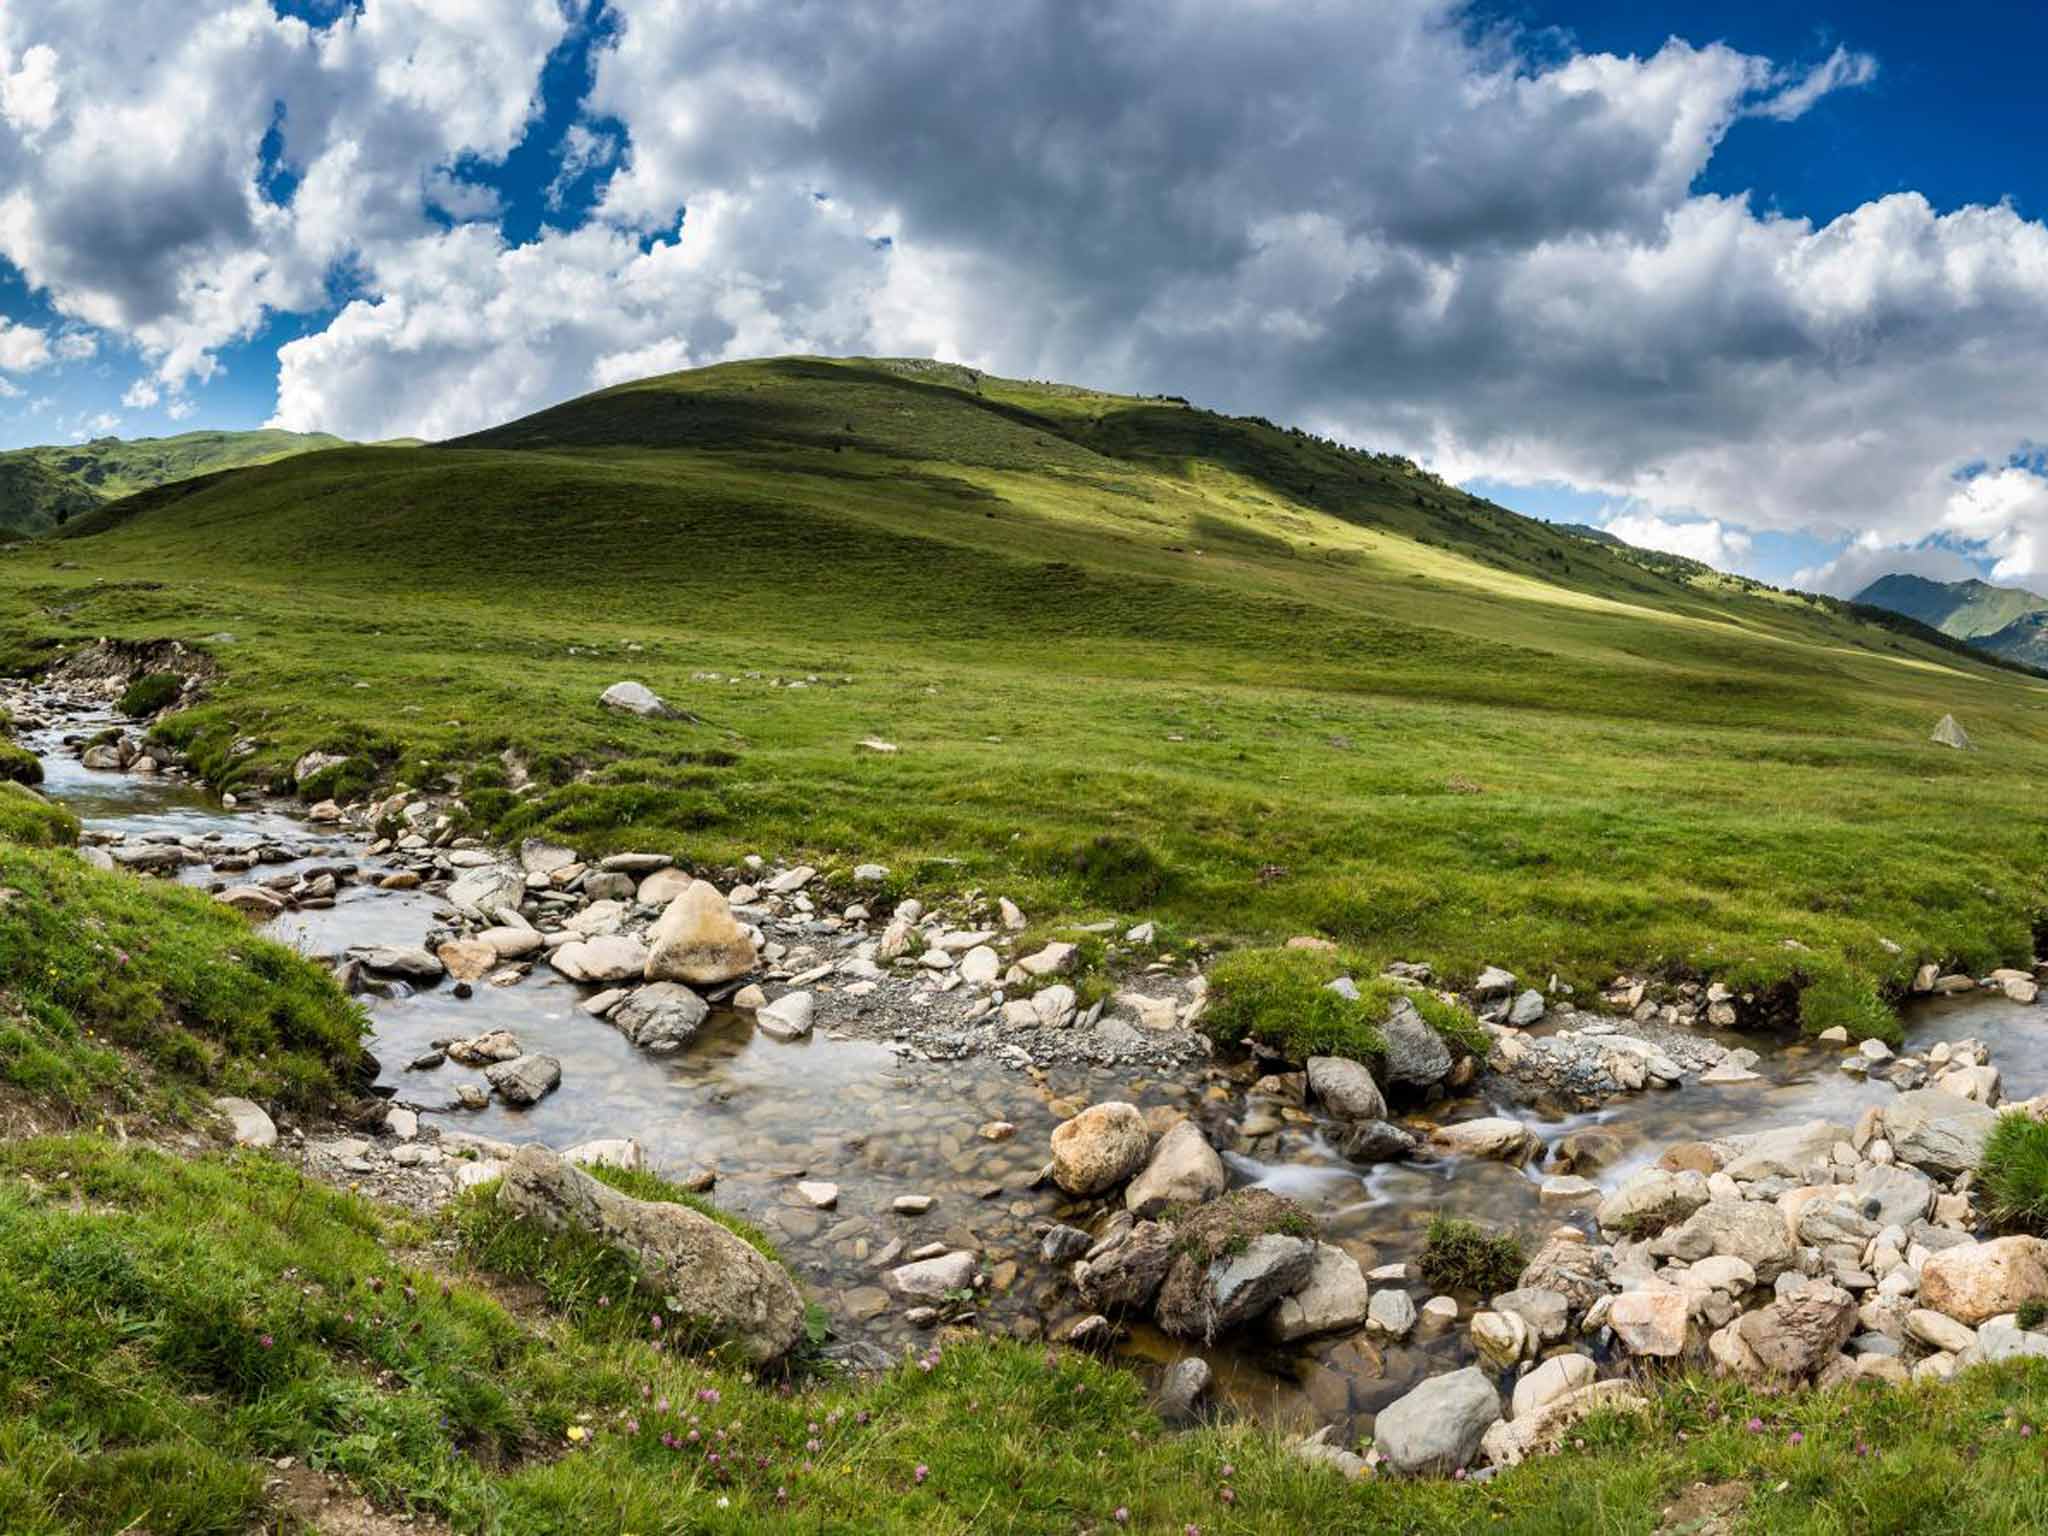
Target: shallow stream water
762, 1113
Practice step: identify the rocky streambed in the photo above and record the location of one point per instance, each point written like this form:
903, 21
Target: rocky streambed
921, 1111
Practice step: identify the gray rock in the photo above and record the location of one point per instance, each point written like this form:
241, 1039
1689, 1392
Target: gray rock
603, 961
525, 1079
1801, 1152
1242, 1286
1182, 1387
931, 1279
480, 892
1416, 1056
1546, 1313
635, 699
1064, 1244
662, 1016
718, 1283
1124, 1272
1528, 1009
787, 1018
1184, 1170
1376, 1141
1893, 1196
1937, 1132
1391, 1313
1334, 1298
406, 960
1345, 1088
1652, 1200
1437, 1427
1742, 1229
252, 1127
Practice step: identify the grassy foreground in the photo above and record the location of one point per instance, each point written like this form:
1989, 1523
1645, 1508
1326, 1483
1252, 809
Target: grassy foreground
1139, 660
172, 1327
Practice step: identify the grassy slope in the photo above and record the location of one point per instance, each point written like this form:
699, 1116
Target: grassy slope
172, 1327
42, 488
1294, 688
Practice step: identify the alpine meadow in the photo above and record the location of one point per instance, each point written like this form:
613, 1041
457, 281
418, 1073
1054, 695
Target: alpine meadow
1193, 768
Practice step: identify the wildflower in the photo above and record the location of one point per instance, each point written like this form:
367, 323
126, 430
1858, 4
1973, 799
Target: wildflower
811, 1445
861, 1417
1191, 1529
661, 1406
1121, 1515
1756, 1426
922, 1472
1796, 1438
604, 1301
2026, 1431
266, 1341
632, 1426
578, 1434
1226, 1495
724, 1502
782, 1495
657, 1322
1229, 1471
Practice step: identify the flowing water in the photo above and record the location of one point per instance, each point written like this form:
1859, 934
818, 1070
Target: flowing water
762, 1113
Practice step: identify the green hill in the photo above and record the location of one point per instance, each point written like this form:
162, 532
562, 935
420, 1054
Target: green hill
1137, 657
1967, 610
43, 488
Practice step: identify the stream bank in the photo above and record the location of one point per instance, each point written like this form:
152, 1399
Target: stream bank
894, 1095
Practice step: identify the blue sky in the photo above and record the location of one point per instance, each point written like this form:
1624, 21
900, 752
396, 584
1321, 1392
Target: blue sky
425, 216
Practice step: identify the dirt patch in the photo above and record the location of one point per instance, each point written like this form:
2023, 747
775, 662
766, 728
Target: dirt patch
304, 1500
1705, 1509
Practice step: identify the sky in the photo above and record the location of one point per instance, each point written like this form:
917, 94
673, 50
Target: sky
1762, 284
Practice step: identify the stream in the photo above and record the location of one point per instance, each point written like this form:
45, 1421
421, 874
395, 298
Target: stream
880, 1124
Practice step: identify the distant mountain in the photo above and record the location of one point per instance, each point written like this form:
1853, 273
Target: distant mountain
44, 488
2024, 640
1966, 610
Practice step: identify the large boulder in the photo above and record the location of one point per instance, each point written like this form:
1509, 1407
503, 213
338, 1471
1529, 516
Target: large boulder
721, 1284
1099, 1148
1740, 1229
1937, 1132
1201, 1301
1184, 1170
1334, 1298
696, 940
1345, 1088
1985, 1280
662, 1016
1437, 1426
1653, 1200
1416, 1055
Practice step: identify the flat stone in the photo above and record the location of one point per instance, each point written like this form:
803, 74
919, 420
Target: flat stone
252, 1127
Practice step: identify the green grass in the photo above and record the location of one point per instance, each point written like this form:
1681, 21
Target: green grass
1460, 1255
174, 1326
102, 974
18, 765
2013, 1173
1142, 661
26, 817
1281, 997
151, 692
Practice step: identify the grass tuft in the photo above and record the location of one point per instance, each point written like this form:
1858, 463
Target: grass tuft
2014, 1174
1460, 1255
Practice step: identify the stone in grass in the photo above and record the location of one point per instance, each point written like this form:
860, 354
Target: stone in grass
730, 1291
635, 699
252, 1127
1437, 1427
1948, 733
787, 1018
